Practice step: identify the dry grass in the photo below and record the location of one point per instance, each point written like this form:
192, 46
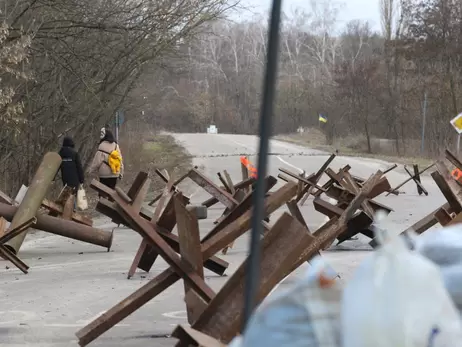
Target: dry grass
356, 146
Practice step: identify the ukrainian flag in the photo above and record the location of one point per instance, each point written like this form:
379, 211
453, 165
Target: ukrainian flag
322, 118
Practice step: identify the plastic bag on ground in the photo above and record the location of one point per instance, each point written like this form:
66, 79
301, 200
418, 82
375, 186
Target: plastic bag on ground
396, 298
307, 314
444, 248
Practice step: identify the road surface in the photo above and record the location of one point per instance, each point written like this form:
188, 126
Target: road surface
71, 283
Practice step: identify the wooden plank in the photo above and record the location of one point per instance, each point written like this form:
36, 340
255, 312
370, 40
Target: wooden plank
221, 195
281, 248
169, 276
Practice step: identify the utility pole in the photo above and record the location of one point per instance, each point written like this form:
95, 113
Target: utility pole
117, 126
458, 144
422, 148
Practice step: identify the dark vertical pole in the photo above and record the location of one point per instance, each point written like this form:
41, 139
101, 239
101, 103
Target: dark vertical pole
269, 87
417, 178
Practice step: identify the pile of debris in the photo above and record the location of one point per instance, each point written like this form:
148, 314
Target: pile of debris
286, 244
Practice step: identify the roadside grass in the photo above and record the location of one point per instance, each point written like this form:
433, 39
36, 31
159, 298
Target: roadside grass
350, 147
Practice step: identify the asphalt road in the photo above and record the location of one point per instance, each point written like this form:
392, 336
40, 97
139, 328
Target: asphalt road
71, 283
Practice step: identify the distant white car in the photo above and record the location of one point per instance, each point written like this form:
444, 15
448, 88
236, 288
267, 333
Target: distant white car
212, 129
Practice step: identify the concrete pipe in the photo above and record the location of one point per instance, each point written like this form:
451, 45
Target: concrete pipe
66, 228
35, 194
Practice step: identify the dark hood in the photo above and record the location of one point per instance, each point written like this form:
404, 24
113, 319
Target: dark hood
68, 142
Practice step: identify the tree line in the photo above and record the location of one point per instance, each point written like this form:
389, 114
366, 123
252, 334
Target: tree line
366, 82
66, 67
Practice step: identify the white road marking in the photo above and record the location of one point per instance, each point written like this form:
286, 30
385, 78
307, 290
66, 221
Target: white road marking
89, 320
278, 157
63, 265
76, 325
289, 164
175, 315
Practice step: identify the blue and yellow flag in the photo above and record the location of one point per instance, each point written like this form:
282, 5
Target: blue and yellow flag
322, 118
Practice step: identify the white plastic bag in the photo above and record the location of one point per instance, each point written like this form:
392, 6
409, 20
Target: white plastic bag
82, 203
397, 298
305, 315
444, 248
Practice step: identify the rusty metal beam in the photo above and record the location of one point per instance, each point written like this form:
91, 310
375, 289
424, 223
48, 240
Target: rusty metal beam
64, 228
358, 224
281, 248
453, 159
56, 208
304, 180
443, 217
416, 178
229, 181
148, 231
190, 250
137, 185
221, 195
168, 277
448, 186
34, 196
409, 179
241, 185
190, 337
239, 210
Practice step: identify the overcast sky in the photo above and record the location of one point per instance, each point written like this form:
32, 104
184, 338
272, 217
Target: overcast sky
351, 9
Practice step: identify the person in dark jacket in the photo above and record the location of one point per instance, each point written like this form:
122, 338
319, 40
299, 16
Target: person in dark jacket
72, 173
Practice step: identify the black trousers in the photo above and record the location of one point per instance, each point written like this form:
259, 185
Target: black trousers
109, 182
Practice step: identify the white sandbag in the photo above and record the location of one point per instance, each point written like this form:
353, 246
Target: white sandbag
444, 248
396, 298
305, 315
